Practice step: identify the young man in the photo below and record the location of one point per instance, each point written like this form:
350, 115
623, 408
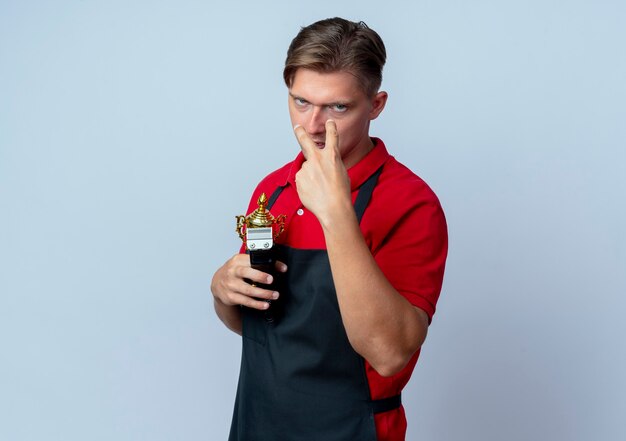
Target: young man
361, 260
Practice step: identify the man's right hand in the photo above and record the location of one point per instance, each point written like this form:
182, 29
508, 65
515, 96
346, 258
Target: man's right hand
230, 285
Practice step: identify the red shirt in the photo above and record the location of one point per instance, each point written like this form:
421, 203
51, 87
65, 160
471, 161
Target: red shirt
404, 228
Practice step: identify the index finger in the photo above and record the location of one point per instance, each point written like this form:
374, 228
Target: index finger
332, 137
306, 143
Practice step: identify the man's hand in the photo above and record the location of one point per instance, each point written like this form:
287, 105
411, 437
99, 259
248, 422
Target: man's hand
322, 182
229, 287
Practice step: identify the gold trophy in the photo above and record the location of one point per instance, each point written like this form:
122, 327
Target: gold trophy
258, 231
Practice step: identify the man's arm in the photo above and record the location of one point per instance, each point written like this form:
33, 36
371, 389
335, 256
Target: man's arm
381, 324
230, 290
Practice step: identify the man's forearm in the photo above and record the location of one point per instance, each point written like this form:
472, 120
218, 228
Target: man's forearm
381, 325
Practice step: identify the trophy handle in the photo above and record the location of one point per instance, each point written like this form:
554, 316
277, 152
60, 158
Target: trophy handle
280, 223
241, 223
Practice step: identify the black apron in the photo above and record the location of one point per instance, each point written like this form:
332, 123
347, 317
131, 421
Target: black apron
300, 378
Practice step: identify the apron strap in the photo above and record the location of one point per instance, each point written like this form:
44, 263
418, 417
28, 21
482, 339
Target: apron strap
386, 404
365, 193
274, 196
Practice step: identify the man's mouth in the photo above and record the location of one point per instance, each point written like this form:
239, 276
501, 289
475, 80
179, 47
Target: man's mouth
320, 144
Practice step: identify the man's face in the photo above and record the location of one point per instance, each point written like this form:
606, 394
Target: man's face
317, 97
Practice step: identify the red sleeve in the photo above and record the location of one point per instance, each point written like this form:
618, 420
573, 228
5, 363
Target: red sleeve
413, 253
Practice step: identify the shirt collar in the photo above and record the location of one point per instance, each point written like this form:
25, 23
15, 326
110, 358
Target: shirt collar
358, 173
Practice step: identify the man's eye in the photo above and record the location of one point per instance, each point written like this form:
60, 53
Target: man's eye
300, 102
339, 108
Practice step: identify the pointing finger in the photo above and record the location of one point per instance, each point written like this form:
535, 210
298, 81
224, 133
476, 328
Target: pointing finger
332, 137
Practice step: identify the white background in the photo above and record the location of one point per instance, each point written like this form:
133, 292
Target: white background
132, 133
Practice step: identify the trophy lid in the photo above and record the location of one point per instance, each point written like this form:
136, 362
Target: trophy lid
260, 222
260, 217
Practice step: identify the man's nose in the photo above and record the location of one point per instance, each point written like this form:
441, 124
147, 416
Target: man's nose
317, 121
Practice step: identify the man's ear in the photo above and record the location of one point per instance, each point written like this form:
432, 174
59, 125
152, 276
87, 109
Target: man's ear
378, 104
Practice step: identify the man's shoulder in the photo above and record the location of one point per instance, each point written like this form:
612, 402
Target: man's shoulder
269, 184
278, 177
405, 184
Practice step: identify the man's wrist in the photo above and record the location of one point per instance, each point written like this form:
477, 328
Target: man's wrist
343, 214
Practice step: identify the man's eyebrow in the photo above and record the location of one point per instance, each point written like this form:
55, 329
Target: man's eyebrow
339, 102
298, 97
346, 103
